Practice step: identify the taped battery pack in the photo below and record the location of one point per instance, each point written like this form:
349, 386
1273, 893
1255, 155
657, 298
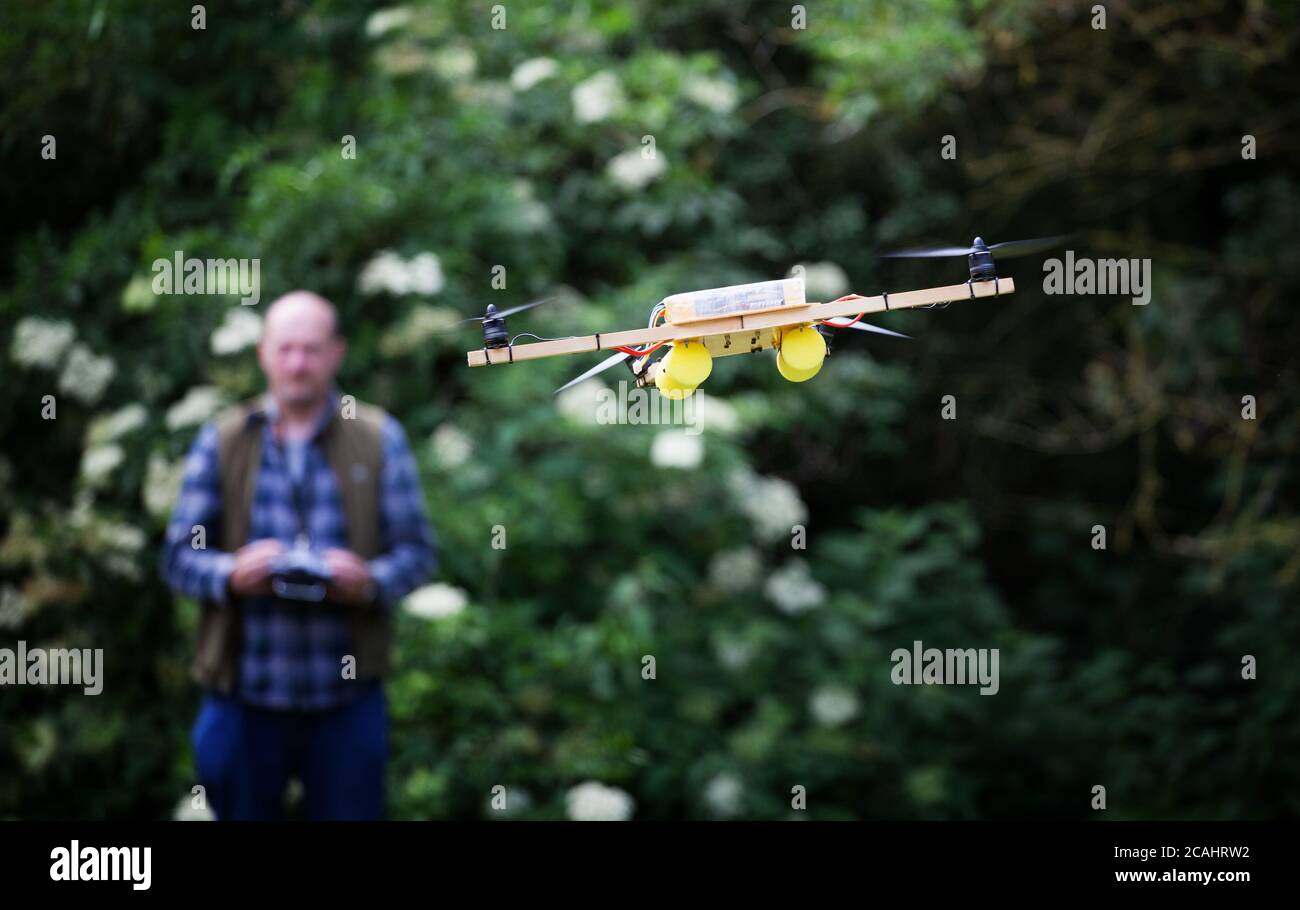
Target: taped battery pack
736, 300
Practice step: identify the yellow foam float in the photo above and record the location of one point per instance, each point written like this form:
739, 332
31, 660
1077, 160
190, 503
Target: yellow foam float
792, 374
688, 363
803, 349
670, 389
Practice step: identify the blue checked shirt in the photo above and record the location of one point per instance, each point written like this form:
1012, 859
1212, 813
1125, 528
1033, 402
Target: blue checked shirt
292, 653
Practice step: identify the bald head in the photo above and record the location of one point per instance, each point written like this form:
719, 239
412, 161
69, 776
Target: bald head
297, 307
301, 350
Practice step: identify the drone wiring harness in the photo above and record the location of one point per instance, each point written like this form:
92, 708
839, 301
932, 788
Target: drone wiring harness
656, 316
844, 325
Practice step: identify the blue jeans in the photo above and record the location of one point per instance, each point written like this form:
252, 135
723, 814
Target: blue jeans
246, 755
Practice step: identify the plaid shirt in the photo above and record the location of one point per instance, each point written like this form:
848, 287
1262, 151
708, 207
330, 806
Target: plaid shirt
292, 652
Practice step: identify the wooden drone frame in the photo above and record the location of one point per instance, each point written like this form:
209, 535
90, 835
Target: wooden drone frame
753, 324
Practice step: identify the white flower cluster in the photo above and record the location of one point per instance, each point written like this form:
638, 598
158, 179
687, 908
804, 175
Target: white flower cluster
734, 653
793, 589
199, 404
597, 98
13, 607
386, 20
114, 426
102, 454
675, 449
723, 794
403, 58
81, 515
241, 328
421, 274
99, 462
634, 170
124, 538
138, 295
717, 95
484, 93
528, 214
451, 447
186, 811
85, 376
40, 342
772, 504
435, 601
833, 706
43, 343
455, 63
418, 327
118, 545
162, 484
735, 570
531, 72
592, 801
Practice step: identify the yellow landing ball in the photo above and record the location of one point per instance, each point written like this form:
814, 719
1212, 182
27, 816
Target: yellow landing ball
792, 374
669, 389
688, 363
803, 348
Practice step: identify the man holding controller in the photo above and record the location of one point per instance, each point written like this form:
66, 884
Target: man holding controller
300, 523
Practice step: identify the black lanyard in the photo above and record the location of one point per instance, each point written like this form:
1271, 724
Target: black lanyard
301, 490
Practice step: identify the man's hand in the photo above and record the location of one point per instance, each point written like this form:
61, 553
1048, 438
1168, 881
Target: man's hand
351, 583
251, 575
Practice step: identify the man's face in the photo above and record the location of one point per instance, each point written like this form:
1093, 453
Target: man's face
300, 352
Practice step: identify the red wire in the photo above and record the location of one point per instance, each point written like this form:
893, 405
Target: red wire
635, 352
851, 321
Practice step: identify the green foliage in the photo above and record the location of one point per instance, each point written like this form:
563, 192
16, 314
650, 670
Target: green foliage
774, 147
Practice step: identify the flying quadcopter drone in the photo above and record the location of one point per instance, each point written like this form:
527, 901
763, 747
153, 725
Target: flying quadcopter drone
699, 326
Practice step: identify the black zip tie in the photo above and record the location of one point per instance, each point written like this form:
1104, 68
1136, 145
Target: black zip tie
598, 341
886, 295
510, 349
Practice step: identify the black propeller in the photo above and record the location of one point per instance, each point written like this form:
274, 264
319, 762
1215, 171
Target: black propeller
493, 327
492, 312
1005, 249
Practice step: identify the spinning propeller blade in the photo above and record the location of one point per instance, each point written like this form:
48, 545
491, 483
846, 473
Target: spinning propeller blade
519, 309
1004, 250
1027, 247
598, 368
921, 252
458, 325
867, 327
